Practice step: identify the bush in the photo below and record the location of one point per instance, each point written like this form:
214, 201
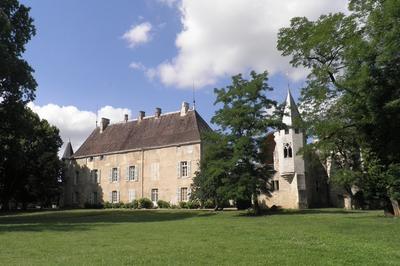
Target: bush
193, 204
183, 205
128, 205
107, 205
145, 203
162, 204
208, 204
243, 204
174, 206
135, 204
93, 206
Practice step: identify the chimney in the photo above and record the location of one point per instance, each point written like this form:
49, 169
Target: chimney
184, 108
104, 123
141, 115
158, 112
126, 118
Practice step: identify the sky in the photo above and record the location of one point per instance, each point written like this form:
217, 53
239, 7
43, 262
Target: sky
98, 58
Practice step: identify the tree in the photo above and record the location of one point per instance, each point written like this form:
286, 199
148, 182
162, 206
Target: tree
239, 171
354, 82
29, 166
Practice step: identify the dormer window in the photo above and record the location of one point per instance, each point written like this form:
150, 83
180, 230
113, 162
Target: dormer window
287, 151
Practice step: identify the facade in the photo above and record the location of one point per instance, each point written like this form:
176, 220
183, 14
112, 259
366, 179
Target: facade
156, 157
153, 157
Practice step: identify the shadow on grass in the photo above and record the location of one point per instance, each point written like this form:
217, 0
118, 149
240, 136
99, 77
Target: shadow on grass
81, 220
303, 212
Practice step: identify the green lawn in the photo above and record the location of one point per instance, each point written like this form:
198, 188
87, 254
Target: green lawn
126, 237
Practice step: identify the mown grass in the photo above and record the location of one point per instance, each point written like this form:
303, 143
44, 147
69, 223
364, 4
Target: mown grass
177, 237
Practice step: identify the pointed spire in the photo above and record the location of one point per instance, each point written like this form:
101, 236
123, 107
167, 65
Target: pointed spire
68, 152
290, 112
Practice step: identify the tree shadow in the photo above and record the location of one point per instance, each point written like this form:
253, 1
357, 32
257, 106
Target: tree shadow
328, 211
81, 220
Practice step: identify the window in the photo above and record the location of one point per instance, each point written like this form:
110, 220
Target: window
114, 196
131, 195
154, 195
286, 131
184, 194
95, 176
131, 173
75, 197
101, 157
76, 178
296, 130
184, 169
287, 150
114, 175
93, 198
155, 171
275, 185
90, 158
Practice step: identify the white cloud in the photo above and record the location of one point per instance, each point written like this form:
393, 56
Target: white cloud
138, 34
75, 124
169, 3
222, 38
137, 66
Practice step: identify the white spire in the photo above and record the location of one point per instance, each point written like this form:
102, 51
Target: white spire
290, 112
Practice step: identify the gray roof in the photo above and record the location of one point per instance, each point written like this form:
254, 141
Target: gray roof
68, 152
151, 132
291, 112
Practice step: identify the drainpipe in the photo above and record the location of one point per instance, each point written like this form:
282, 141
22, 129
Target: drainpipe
142, 171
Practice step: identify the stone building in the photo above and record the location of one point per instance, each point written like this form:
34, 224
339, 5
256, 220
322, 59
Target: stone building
156, 157
152, 156
299, 181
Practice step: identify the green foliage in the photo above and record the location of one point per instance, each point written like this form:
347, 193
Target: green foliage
145, 203
208, 204
183, 205
162, 204
135, 204
351, 99
107, 205
233, 166
193, 204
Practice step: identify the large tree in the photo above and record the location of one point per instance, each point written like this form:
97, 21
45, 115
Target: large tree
354, 84
29, 166
236, 169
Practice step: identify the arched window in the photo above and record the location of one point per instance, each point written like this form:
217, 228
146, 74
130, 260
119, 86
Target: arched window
287, 151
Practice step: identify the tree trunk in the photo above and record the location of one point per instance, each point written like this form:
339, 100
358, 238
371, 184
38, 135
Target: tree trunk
256, 206
396, 207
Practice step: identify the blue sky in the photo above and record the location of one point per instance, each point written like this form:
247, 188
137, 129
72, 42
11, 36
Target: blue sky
81, 59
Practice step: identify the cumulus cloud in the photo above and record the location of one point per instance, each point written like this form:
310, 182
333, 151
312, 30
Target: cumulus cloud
75, 124
138, 34
221, 38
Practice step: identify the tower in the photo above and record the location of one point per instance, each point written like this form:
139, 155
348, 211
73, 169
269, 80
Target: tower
288, 143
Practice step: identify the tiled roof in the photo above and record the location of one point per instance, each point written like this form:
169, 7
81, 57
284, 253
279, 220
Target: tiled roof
151, 132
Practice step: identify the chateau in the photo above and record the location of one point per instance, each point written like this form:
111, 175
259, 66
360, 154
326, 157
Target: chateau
156, 157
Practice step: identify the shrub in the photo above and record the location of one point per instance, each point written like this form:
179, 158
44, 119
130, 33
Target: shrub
135, 204
243, 204
183, 205
162, 204
209, 204
145, 203
93, 206
107, 205
116, 205
174, 206
128, 205
193, 204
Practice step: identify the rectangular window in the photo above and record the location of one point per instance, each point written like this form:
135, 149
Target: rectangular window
275, 185
131, 173
76, 178
114, 175
296, 130
131, 195
101, 157
93, 199
75, 197
95, 176
184, 169
114, 197
184, 194
286, 131
90, 158
154, 195
155, 171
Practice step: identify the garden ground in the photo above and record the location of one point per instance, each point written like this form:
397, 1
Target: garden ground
126, 237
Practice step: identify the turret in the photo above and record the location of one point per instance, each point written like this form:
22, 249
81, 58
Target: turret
68, 152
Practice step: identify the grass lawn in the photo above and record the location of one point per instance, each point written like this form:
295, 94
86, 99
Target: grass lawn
126, 237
